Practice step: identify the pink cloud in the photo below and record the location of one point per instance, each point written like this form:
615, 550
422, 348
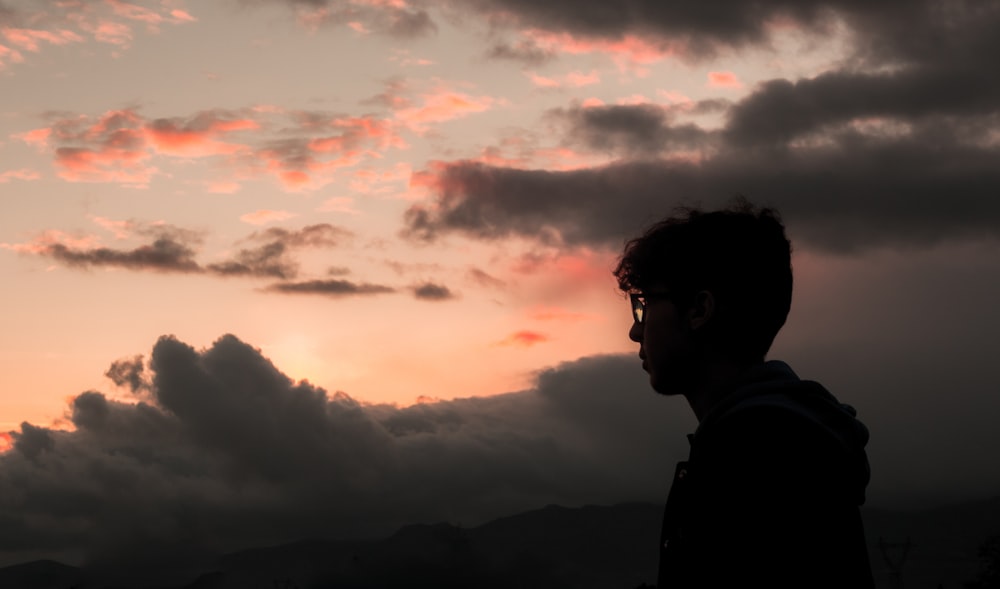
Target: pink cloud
570, 80
53, 237
524, 339
264, 216
6, 442
542, 81
629, 53
116, 146
443, 105
578, 80
37, 137
112, 149
72, 21
107, 164
120, 229
119, 145
29, 39
632, 100
180, 15
113, 33
9, 55
197, 138
723, 80
134, 12
304, 163
579, 267
675, 98
22, 174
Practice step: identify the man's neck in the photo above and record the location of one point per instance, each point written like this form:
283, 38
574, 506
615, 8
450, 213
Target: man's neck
717, 381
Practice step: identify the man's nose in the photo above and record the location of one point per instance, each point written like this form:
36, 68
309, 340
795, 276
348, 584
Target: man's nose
635, 334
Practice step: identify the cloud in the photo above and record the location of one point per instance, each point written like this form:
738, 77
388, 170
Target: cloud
331, 288
321, 145
526, 51
395, 18
317, 235
29, 27
119, 145
197, 137
271, 258
696, 32
639, 130
268, 261
429, 291
524, 338
21, 174
129, 372
265, 216
221, 450
570, 80
485, 279
630, 52
226, 452
896, 146
440, 105
171, 249
724, 80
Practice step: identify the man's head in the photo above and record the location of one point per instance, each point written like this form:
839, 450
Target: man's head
717, 287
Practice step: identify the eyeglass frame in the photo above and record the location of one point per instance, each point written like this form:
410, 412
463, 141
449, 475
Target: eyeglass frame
639, 301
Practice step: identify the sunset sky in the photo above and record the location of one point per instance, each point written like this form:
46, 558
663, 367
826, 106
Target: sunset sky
408, 202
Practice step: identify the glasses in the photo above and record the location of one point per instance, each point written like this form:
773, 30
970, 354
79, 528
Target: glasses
639, 304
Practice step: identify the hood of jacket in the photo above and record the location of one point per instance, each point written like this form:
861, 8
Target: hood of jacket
775, 385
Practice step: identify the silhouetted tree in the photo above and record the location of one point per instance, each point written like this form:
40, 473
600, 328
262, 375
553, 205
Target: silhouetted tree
989, 555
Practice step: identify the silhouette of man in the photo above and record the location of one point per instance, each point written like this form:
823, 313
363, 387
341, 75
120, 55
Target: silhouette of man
769, 496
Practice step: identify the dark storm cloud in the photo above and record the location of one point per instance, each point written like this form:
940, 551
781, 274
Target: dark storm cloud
230, 452
643, 130
898, 146
332, 288
855, 194
780, 111
128, 372
881, 30
429, 291
701, 27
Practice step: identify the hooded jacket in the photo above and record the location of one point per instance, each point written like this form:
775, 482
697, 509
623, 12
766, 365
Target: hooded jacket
770, 494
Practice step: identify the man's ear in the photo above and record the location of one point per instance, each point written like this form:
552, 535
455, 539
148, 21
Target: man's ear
701, 310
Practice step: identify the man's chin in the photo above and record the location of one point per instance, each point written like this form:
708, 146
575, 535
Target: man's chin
665, 387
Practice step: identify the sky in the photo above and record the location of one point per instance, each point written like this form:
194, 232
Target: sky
341, 265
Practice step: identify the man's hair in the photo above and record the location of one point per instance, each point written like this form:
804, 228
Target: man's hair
740, 254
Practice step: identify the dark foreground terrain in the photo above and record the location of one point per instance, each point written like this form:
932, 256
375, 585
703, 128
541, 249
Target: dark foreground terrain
554, 547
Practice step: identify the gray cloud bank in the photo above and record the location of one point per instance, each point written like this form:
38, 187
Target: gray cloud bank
220, 449
217, 449
896, 145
